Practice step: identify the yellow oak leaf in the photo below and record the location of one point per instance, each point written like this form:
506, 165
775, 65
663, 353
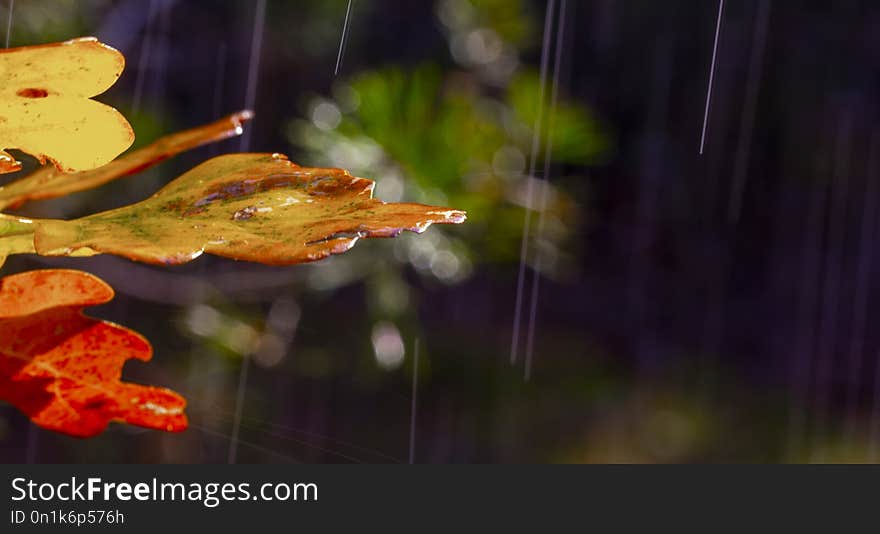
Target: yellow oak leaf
46, 110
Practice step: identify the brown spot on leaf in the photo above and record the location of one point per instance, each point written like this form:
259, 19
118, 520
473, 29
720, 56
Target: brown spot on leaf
32, 92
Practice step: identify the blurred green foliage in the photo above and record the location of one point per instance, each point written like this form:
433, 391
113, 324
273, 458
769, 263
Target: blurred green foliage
458, 133
575, 134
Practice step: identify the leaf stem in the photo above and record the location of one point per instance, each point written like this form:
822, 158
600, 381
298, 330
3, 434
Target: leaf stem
13, 225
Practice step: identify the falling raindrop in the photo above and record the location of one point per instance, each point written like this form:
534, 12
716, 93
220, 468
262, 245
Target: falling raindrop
250, 101
711, 76
343, 39
9, 22
543, 204
533, 161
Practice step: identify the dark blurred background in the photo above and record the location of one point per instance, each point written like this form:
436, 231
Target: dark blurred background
688, 308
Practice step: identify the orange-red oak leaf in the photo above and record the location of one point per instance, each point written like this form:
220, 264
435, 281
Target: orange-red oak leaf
254, 207
46, 108
63, 369
48, 182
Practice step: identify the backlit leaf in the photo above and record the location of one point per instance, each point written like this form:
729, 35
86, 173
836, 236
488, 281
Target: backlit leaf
48, 182
255, 207
63, 369
46, 110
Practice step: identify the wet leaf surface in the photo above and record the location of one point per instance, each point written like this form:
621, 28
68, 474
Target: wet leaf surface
46, 110
254, 207
48, 182
63, 369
